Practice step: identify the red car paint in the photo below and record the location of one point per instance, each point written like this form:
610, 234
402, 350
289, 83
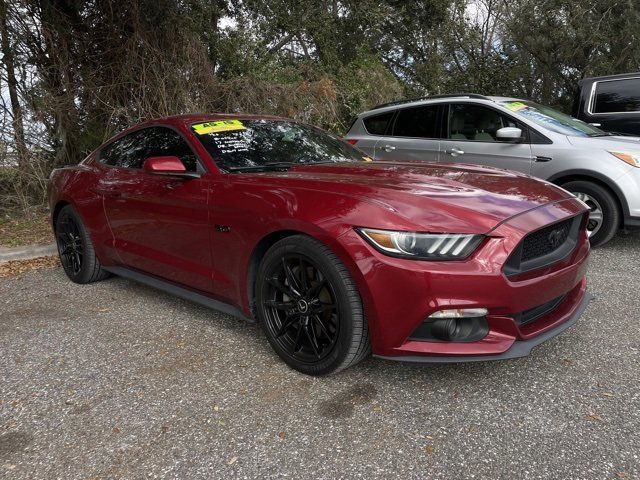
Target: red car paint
166, 226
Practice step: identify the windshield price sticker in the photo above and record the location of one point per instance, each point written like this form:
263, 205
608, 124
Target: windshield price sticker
231, 143
218, 126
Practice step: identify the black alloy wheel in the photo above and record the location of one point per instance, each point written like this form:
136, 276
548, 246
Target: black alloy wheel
75, 248
70, 246
301, 310
309, 307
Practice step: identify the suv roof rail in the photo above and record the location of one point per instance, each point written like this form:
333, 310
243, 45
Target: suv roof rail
431, 97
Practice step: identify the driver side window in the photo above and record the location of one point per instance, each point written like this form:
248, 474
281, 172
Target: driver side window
132, 150
476, 123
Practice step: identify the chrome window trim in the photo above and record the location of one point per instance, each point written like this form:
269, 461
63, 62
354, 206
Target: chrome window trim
592, 97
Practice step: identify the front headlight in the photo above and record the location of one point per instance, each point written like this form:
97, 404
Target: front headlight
632, 159
423, 246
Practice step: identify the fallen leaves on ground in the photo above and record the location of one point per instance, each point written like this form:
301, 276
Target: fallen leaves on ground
15, 267
28, 229
595, 418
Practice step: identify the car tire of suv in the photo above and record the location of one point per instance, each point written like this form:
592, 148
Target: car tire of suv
75, 248
598, 196
309, 307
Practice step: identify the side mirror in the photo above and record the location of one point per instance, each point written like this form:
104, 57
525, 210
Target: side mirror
509, 134
167, 165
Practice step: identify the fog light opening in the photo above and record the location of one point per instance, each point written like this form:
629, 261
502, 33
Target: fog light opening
454, 325
445, 329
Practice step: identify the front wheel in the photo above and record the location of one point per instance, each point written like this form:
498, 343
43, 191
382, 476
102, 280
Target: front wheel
309, 307
604, 214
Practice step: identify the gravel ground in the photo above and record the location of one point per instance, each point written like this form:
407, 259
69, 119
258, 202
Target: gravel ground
116, 380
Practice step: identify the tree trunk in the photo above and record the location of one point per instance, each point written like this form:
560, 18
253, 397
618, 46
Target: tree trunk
12, 84
60, 21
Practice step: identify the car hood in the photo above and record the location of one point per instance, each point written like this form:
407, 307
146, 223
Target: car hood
431, 197
615, 143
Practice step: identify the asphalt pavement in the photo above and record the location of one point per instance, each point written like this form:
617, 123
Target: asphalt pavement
117, 380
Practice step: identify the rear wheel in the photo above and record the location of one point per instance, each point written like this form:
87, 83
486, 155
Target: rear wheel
75, 248
309, 307
604, 214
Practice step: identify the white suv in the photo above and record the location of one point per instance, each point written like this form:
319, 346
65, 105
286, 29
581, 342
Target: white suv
600, 168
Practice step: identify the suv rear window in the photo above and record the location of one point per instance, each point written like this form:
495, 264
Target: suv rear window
614, 96
420, 122
377, 124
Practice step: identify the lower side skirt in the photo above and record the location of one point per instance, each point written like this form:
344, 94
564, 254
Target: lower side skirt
178, 291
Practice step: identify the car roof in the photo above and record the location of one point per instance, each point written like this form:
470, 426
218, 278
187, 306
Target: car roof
188, 119
618, 76
439, 99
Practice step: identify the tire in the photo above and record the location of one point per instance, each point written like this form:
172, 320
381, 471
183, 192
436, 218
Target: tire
309, 307
75, 248
600, 199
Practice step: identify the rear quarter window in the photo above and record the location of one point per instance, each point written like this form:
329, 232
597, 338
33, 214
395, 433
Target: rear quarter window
126, 152
377, 124
615, 96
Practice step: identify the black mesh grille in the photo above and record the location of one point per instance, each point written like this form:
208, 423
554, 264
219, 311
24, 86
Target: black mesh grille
545, 246
545, 240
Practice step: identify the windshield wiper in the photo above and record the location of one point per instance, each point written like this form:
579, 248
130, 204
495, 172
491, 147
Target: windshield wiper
266, 167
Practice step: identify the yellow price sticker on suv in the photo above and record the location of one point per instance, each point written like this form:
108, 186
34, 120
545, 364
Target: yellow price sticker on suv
515, 106
218, 126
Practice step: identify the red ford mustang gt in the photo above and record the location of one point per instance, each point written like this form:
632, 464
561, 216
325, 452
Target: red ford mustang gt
336, 256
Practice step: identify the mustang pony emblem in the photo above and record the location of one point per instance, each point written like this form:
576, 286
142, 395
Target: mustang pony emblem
555, 238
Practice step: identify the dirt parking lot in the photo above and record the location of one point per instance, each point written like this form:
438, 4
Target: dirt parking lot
116, 380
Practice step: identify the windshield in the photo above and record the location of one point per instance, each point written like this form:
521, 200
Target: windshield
244, 145
552, 119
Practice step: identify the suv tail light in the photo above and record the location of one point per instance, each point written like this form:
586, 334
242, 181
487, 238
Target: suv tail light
351, 141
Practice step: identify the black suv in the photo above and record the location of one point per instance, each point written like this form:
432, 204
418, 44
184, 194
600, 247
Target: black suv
611, 103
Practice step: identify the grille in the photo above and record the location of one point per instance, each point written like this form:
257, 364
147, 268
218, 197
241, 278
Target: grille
544, 247
545, 240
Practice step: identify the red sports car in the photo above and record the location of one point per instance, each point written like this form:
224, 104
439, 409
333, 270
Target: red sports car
334, 255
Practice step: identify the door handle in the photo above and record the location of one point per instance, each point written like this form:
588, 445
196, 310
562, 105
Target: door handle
454, 151
389, 148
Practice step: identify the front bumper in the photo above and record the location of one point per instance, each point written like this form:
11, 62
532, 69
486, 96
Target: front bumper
400, 294
632, 222
519, 348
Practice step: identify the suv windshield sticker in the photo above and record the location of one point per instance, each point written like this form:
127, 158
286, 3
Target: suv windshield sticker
218, 126
515, 106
